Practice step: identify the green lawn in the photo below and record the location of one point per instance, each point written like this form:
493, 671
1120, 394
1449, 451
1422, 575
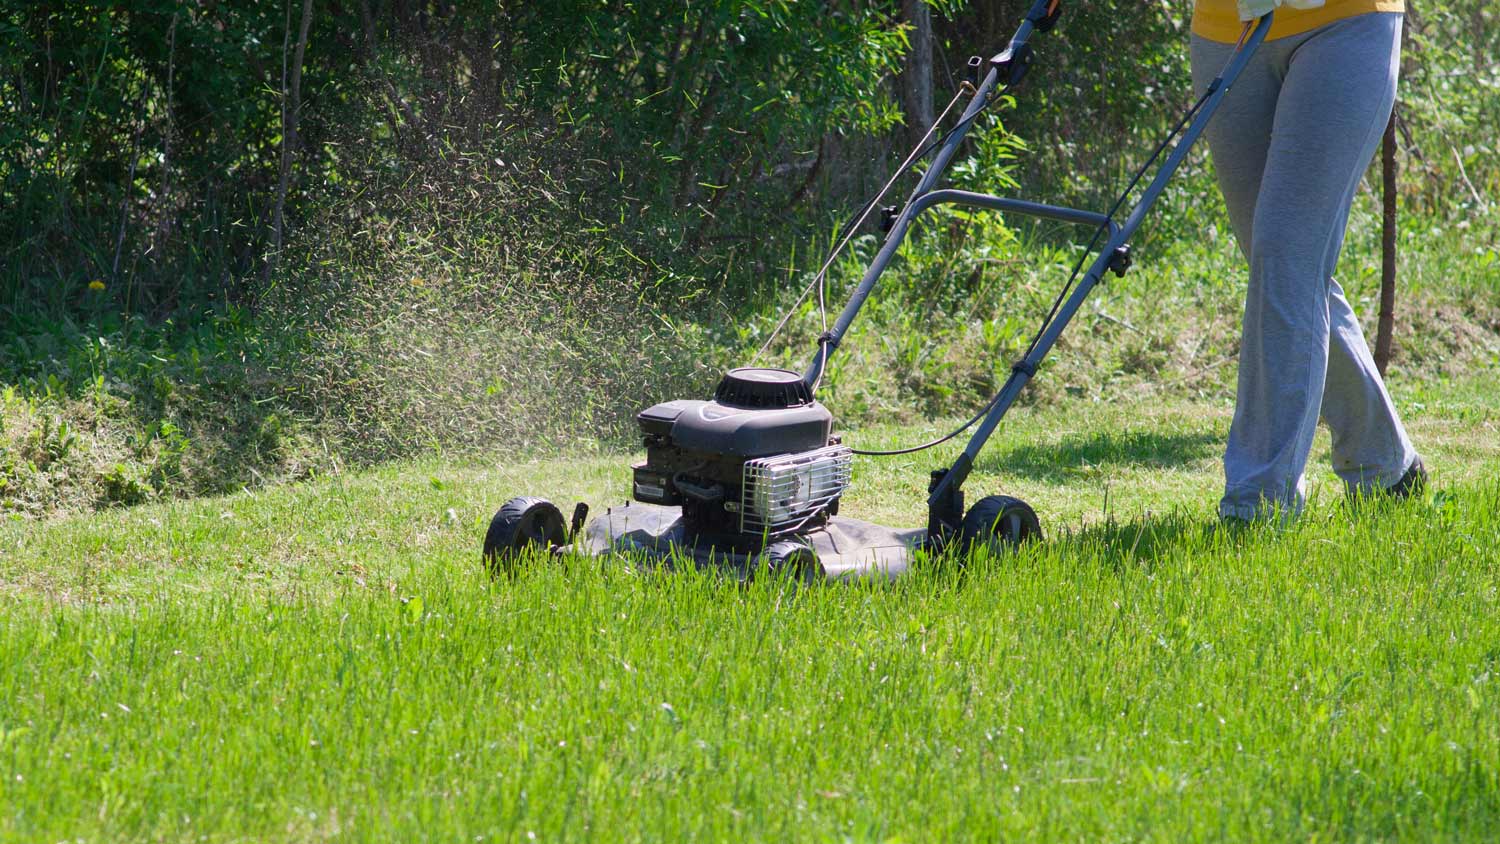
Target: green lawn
327, 660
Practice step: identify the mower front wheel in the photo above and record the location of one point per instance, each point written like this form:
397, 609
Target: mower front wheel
792, 559
522, 523
999, 522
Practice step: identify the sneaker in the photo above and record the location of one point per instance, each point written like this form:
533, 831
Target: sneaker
1234, 525
1411, 484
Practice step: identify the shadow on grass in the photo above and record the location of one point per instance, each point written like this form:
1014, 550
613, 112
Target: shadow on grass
1150, 538
1077, 455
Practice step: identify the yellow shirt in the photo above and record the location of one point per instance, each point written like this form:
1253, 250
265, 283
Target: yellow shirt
1219, 20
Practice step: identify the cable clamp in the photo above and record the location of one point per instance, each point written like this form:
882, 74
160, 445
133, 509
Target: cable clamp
827, 339
1013, 64
1025, 367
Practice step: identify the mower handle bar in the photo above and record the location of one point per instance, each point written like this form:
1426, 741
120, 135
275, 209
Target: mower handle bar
945, 497
1017, 206
945, 502
1042, 15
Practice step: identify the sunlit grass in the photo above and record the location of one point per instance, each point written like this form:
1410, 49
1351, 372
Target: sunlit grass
328, 660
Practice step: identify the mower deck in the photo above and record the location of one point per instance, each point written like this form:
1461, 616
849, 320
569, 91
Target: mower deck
845, 548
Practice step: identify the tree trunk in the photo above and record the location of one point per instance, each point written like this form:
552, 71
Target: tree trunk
291, 106
916, 79
1387, 322
367, 27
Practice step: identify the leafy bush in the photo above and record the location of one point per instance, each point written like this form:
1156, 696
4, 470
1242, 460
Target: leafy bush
507, 232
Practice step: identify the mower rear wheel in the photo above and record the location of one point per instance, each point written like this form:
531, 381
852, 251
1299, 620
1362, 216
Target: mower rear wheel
999, 522
793, 559
520, 524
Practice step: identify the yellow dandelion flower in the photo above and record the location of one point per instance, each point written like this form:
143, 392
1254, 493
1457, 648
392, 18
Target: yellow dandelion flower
96, 284
418, 282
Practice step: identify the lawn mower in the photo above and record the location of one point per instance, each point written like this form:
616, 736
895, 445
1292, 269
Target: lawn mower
751, 479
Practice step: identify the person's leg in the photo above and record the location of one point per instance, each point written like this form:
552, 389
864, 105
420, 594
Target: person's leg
1371, 450
1239, 140
1239, 135
1333, 104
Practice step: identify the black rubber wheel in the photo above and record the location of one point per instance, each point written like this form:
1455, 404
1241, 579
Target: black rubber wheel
522, 523
999, 522
793, 559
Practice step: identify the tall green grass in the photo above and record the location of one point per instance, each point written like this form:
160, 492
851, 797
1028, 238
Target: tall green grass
328, 661
1166, 682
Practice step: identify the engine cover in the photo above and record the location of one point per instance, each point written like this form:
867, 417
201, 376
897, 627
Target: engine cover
714, 428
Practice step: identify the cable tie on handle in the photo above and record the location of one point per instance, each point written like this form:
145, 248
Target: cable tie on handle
1024, 367
1245, 33
827, 339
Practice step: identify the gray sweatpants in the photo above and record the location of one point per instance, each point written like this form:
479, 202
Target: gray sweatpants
1290, 143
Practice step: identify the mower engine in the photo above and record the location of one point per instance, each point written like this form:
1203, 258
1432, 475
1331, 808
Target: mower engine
759, 460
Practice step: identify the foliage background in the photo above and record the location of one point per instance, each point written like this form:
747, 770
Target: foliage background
509, 223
